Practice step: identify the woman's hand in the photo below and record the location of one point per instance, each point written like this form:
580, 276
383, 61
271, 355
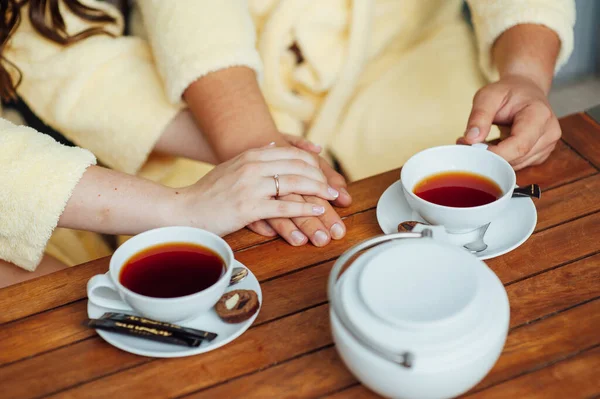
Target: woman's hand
298, 230
241, 191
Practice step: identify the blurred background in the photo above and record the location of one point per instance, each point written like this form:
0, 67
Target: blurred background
577, 86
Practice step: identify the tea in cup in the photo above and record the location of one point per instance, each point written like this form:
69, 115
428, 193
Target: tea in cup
457, 186
168, 274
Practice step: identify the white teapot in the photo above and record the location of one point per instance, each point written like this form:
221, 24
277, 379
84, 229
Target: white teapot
413, 317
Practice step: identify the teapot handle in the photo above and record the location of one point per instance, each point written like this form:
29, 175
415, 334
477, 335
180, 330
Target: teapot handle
405, 358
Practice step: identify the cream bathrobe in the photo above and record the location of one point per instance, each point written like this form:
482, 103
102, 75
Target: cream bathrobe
378, 80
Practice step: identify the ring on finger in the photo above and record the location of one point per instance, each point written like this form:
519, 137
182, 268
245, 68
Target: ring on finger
276, 178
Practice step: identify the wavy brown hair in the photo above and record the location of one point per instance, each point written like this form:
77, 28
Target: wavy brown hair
47, 20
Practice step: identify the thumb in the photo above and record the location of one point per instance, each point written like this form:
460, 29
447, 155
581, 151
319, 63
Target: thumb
486, 104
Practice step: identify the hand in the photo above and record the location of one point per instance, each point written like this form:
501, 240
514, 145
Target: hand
320, 230
241, 191
521, 103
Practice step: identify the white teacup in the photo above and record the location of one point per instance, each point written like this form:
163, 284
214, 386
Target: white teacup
475, 159
163, 309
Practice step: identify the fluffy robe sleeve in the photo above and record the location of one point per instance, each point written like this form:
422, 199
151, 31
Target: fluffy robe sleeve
191, 38
38, 177
102, 93
492, 18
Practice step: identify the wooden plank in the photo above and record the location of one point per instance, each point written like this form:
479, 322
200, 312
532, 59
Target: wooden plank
527, 349
573, 378
305, 377
535, 345
548, 248
554, 290
354, 392
262, 346
63, 368
275, 258
365, 193
293, 292
563, 166
530, 299
63, 326
44, 332
582, 133
568, 202
46, 292
283, 297
559, 341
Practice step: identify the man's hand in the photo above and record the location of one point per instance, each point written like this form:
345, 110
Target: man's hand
520, 103
525, 56
333, 178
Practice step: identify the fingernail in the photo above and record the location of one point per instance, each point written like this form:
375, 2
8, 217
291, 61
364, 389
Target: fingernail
317, 147
269, 229
318, 210
297, 237
472, 133
333, 192
320, 238
337, 231
271, 144
344, 191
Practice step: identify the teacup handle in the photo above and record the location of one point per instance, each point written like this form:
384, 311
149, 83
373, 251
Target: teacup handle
104, 281
483, 146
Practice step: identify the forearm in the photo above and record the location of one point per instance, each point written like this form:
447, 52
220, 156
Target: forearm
110, 202
527, 50
183, 138
229, 108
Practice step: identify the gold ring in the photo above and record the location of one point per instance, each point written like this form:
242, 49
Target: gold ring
276, 178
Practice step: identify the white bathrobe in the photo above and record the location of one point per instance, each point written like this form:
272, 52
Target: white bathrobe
380, 80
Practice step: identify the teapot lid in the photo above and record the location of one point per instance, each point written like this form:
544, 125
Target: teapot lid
410, 299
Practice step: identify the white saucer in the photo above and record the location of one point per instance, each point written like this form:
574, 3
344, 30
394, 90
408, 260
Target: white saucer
504, 234
208, 321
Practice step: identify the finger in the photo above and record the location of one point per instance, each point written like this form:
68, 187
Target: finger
302, 143
337, 181
537, 159
311, 227
527, 129
550, 135
288, 231
486, 104
295, 184
288, 167
268, 209
330, 219
261, 227
278, 153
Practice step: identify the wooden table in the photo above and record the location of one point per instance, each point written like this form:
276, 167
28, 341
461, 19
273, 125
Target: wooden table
553, 282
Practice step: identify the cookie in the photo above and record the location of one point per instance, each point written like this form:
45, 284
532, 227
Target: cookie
237, 306
406, 227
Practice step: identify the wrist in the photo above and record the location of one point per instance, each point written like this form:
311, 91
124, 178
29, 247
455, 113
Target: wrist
527, 50
540, 80
170, 205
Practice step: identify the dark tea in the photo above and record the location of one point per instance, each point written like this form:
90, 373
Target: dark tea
458, 189
172, 270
